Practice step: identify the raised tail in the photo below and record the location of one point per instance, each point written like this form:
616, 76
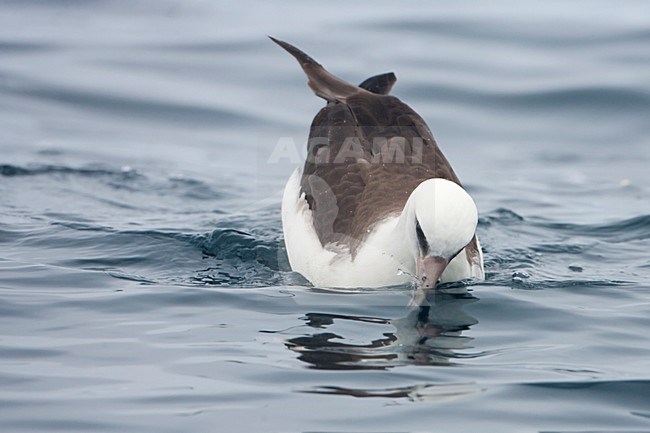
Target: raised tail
324, 84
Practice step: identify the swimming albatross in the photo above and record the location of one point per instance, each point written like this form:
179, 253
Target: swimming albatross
377, 203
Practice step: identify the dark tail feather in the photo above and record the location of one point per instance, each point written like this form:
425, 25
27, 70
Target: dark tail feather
379, 84
324, 84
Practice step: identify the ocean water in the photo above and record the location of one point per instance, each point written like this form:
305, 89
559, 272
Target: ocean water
144, 285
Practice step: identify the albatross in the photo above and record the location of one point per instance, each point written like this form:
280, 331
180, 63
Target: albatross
376, 202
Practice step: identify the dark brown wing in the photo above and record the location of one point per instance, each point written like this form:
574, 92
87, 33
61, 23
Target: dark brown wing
332, 178
366, 153
366, 156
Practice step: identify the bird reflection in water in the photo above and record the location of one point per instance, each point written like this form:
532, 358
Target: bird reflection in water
430, 334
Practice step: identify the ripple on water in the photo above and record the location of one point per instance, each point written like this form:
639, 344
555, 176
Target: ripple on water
141, 290
125, 173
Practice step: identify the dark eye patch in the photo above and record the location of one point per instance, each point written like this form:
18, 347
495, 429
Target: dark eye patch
422, 240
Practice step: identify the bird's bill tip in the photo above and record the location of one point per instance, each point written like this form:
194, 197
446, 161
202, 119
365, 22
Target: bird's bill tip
429, 270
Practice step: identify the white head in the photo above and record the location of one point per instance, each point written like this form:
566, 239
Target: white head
441, 220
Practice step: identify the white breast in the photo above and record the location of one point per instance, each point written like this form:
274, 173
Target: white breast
382, 260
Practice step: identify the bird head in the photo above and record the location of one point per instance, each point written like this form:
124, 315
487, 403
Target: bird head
441, 220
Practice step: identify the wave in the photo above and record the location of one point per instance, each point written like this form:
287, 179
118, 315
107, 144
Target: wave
500, 216
13, 47
533, 253
630, 229
125, 173
605, 99
230, 243
241, 258
520, 252
476, 28
144, 108
123, 178
226, 257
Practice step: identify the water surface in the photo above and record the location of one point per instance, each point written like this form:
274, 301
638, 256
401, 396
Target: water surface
143, 280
